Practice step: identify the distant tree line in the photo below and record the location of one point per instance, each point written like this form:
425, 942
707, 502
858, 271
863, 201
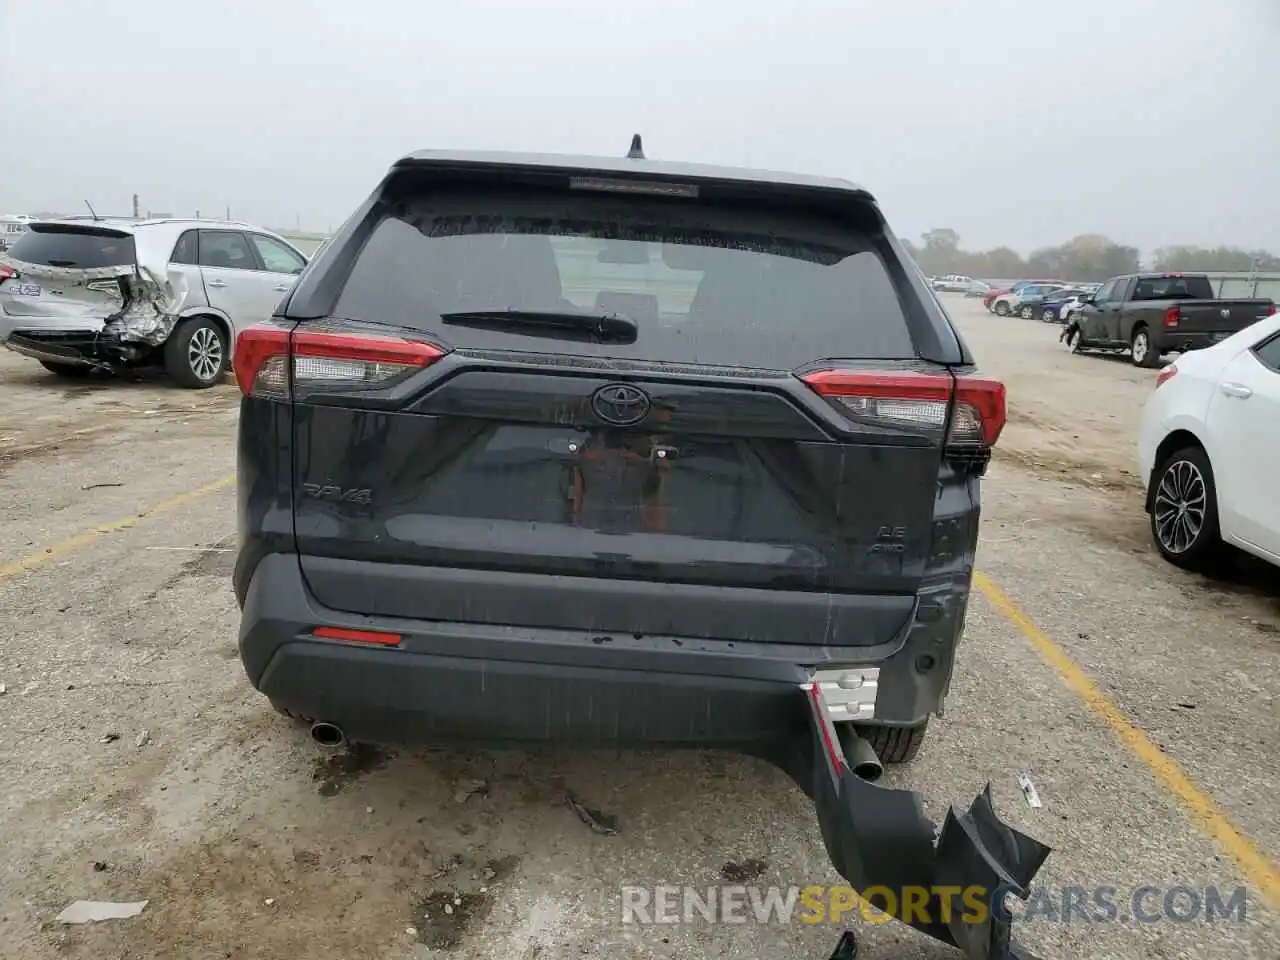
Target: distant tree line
1215, 258
1088, 257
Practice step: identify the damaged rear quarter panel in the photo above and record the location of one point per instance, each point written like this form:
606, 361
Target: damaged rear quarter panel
151, 299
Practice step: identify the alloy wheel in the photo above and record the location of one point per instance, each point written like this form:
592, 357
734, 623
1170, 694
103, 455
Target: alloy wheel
1179, 509
204, 353
1141, 346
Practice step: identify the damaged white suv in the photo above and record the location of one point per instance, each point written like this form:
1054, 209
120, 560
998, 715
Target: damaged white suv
116, 294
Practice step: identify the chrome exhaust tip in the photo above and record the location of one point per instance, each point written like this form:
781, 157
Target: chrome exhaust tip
327, 734
861, 756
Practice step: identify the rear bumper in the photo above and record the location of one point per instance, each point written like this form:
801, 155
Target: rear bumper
1168, 341
74, 349
447, 681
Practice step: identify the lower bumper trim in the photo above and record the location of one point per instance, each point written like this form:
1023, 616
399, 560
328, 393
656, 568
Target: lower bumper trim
879, 839
37, 351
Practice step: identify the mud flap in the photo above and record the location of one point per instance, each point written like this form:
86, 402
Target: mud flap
880, 838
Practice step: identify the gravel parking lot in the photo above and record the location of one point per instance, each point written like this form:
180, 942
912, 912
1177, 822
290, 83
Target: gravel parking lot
139, 765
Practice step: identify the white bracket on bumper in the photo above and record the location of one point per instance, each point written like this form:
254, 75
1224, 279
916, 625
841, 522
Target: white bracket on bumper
848, 693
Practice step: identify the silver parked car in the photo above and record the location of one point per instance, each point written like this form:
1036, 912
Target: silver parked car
115, 294
952, 283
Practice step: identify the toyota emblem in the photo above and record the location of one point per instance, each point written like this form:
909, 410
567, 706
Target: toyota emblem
620, 404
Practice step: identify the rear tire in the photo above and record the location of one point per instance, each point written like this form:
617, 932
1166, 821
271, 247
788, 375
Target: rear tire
1142, 350
1184, 479
895, 744
1001, 308
195, 355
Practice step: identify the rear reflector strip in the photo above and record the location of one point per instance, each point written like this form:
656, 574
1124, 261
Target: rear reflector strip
322, 359
835, 756
376, 637
918, 400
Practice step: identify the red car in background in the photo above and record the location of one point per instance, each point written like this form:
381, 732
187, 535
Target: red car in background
990, 296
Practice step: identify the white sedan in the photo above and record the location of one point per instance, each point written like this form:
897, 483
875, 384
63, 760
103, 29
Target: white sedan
1209, 450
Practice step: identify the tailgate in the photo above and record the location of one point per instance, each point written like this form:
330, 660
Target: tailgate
759, 458
736, 511
1218, 317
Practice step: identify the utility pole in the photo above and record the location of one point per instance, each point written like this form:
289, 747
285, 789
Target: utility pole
228, 217
135, 206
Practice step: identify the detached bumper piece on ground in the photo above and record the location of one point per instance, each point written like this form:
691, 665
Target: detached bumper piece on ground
878, 837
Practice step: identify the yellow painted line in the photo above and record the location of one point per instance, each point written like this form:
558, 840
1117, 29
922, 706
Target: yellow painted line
1257, 869
45, 556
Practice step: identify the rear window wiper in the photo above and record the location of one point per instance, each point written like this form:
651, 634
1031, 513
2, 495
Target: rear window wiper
566, 324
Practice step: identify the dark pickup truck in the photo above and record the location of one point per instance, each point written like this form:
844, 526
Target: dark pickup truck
1154, 313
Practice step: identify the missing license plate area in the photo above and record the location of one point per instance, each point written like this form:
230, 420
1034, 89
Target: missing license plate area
618, 483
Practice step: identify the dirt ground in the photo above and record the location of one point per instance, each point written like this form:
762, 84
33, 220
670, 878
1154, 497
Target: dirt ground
137, 763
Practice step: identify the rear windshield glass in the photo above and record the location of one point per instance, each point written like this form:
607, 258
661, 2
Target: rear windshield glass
73, 248
729, 285
1173, 288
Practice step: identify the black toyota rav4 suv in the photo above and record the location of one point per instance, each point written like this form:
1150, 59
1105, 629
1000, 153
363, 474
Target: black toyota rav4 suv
614, 451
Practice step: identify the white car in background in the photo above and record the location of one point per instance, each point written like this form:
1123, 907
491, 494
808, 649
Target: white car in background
1209, 450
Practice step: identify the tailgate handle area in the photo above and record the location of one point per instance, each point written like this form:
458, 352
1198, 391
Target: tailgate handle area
879, 837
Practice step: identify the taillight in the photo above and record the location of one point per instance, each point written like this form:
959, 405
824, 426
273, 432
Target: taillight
981, 412
1172, 317
323, 359
920, 401
7, 273
1273, 311
259, 361
1167, 374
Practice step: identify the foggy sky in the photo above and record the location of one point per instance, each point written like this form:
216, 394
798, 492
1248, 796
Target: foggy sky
1020, 122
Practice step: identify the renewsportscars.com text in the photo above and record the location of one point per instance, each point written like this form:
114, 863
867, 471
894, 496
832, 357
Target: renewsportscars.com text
837, 904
